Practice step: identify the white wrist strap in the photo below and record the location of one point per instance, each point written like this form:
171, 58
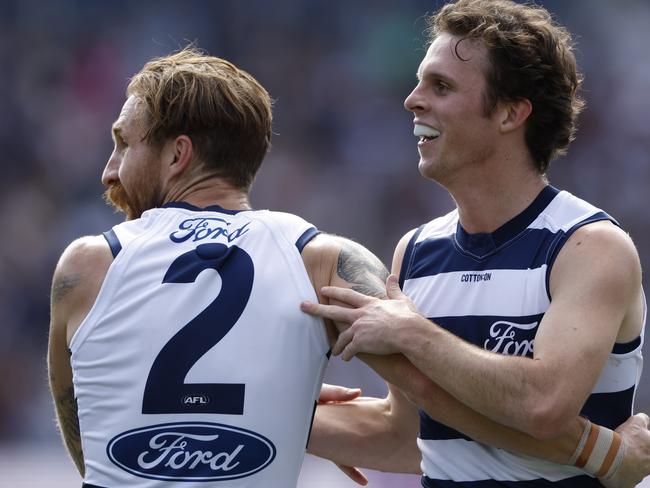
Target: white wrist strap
599, 452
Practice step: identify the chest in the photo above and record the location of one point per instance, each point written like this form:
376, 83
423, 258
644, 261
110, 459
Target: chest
496, 302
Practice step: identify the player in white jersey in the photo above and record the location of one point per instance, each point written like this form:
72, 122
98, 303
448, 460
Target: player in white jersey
496, 101
178, 354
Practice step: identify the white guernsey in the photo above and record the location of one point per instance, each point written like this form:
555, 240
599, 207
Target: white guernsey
187, 301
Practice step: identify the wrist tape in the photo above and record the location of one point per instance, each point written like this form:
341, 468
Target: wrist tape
599, 452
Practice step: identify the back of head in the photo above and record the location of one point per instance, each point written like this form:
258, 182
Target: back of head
223, 109
529, 57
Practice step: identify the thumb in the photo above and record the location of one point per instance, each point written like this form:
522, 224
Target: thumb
392, 287
334, 393
643, 419
640, 420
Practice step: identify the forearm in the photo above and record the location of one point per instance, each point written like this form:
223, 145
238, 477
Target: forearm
65, 403
69, 427
510, 390
444, 408
367, 433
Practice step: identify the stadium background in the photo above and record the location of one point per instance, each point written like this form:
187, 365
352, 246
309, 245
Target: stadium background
344, 155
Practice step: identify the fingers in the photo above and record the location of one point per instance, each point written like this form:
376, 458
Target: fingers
335, 393
349, 352
354, 474
633, 424
333, 312
346, 295
643, 419
393, 290
344, 345
344, 338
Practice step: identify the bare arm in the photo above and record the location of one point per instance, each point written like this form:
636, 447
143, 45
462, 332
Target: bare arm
596, 285
442, 406
75, 284
369, 432
60, 374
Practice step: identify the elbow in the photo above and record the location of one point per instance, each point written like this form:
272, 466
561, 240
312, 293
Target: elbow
420, 389
548, 420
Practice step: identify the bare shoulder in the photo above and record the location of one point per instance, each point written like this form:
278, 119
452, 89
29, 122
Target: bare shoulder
335, 260
599, 267
82, 259
600, 248
400, 250
77, 279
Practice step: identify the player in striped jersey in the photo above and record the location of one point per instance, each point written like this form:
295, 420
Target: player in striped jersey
524, 305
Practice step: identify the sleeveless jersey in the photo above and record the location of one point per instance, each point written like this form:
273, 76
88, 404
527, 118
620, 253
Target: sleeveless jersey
195, 366
492, 290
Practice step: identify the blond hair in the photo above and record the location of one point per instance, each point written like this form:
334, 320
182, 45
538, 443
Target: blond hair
222, 108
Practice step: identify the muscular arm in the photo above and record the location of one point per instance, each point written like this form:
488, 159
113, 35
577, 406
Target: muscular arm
76, 281
438, 403
596, 290
60, 373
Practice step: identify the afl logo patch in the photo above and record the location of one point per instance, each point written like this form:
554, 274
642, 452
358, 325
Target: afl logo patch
191, 451
195, 400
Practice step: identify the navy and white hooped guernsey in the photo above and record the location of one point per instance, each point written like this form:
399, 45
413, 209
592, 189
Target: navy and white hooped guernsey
492, 290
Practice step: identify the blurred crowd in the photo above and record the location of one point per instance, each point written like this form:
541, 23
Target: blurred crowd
343, 155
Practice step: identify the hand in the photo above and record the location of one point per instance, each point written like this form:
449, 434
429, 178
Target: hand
354, 474
636, 462
374, 321
339, 394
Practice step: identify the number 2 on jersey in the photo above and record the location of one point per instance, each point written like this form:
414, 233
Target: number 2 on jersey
166, 390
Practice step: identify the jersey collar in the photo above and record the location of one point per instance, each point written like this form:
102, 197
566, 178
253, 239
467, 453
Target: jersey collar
194, 208
483, 243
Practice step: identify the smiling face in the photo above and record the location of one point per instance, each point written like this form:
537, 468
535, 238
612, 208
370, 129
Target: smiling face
133, 171
455, 133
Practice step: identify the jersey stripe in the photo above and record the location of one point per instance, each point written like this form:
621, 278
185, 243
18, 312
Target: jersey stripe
492, 291
573, 482
445, 254
306, 236
440, 460
113, 242
462, 293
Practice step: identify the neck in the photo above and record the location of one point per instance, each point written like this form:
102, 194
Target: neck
205, 190
494, 196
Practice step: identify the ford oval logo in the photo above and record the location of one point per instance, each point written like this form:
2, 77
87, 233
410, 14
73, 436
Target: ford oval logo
191, 451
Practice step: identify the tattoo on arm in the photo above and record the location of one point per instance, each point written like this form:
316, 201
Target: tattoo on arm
62, 286
66, 408
362, 269
69, 424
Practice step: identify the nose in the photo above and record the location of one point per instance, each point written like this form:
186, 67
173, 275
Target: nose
416, 102
110, 173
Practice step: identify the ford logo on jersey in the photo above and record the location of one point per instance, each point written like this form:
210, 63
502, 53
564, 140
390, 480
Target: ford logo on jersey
191, 451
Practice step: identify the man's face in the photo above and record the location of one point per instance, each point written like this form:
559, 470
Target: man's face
455, 134
132, 173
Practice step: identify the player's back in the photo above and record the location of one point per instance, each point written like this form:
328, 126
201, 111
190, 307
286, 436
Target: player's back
195, 366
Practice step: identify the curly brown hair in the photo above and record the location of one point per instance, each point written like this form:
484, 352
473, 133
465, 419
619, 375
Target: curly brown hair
223, 109
531, 57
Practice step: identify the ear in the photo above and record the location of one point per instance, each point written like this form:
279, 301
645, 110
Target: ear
178, 154
514, 114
